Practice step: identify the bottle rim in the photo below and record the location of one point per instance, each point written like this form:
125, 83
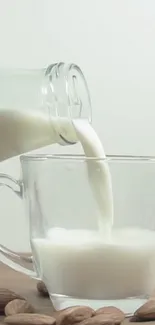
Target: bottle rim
68, 77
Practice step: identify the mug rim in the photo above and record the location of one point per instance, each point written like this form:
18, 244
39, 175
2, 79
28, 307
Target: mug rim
82, 157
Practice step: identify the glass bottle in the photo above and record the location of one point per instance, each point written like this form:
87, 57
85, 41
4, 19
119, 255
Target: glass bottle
37, 107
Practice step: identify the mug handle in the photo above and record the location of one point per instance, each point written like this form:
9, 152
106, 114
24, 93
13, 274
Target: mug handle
16, 261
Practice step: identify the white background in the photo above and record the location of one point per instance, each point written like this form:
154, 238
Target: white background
113, 41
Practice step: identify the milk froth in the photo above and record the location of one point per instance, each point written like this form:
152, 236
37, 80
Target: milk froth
81, 264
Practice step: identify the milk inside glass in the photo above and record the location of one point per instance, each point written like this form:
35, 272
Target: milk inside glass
81, 264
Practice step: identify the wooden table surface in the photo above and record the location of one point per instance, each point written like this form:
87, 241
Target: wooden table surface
26, 287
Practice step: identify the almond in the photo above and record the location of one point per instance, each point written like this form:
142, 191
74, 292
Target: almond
6, 296
114, 313
146, 312
75, 314
102, 319
18, 306
42, 288
30, 319
134, 319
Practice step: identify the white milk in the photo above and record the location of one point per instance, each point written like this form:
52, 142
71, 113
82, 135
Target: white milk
23, 131
80, 264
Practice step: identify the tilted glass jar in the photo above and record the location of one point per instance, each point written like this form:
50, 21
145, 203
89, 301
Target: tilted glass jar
37, 107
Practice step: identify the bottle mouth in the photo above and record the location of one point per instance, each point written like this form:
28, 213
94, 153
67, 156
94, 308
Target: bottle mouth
66, 92
78, 94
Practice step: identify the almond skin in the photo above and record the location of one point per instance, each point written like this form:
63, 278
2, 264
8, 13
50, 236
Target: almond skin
146, 312
18, 306
114, 313
74, 315
42, 289
6, 296
102, 319
30, 319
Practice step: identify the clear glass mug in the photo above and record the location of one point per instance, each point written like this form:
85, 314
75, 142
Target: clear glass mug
63, 212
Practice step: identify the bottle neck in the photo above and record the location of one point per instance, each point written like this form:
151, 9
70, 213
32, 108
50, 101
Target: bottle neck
40, 106
66, 93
